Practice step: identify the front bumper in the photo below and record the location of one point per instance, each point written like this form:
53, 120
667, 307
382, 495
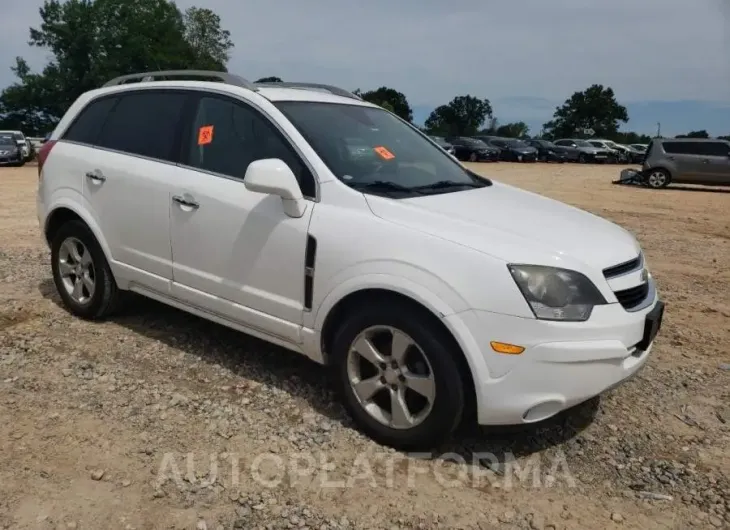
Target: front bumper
564, 363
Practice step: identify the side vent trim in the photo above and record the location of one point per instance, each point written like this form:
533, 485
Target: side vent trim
310, 257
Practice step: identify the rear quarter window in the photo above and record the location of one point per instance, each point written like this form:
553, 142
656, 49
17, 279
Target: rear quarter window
86, 127
683, 148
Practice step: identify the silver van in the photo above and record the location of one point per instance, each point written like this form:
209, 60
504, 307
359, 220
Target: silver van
687, 161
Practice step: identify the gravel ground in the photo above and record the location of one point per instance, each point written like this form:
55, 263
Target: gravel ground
157, 419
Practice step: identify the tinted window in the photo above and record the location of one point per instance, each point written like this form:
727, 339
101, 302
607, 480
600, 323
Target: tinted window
714, 149
87, 125
145, 123
239, 135
562, 142
683, 148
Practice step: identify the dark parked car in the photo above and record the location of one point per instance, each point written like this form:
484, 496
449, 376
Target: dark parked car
473, 150
443, 143
549, 152
10, 152
512, 149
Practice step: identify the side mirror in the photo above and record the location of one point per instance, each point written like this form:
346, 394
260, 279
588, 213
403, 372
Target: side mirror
273, 177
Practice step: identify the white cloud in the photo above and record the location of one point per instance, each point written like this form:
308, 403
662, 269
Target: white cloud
434, 50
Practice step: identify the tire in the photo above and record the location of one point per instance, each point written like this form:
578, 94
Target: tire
582, 158
100, 301
657, 178
432, 424
473, 157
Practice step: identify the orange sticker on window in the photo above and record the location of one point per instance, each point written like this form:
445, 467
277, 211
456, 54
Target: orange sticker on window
205, 135
384, 153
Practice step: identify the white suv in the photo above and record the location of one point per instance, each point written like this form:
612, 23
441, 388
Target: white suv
434, 294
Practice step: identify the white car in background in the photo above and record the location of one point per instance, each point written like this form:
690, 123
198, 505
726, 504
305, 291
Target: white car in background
434, 294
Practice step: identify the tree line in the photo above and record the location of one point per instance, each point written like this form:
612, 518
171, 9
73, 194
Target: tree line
92, 41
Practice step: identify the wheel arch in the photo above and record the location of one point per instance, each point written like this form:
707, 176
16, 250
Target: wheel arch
64, 212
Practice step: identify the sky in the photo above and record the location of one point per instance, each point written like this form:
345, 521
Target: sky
667, 60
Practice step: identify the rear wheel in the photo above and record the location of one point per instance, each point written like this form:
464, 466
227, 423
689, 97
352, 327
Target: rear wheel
399, 377
582, 158
81, 272
657, 178
473, 157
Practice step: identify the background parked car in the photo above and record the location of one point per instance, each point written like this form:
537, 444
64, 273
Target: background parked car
586, 152
10, 152
640, 147
624, 151
614, 155
21, 141
511, 149
636, 156
473, 150
444, 144
549, 152
687, 160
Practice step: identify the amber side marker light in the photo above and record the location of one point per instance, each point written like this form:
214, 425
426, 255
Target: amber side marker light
509, 349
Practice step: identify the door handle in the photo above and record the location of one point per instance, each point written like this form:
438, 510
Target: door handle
96, 176
189, 202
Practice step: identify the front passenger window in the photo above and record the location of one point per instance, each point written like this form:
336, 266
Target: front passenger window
227, 136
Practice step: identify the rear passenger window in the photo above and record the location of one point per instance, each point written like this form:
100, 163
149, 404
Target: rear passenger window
715, 149
682, 148
145, 123
227, 136
87, 126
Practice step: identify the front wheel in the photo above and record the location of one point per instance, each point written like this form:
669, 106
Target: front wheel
399, 377
582, 158
473, 157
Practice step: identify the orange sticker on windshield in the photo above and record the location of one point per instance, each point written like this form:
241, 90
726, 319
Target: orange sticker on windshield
205, 135
384, 153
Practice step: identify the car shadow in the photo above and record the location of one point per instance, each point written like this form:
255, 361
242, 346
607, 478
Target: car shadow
706, 189
256, 360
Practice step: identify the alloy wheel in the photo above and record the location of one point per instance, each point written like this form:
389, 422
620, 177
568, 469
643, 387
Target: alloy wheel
391, 377
657, 179
76, 268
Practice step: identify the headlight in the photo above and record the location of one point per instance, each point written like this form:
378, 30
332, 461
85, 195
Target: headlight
557, 294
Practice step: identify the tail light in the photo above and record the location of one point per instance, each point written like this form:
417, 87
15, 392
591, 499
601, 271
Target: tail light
43, 153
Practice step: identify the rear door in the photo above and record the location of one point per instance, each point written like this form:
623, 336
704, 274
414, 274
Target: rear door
687, 161
127, 177
717, 161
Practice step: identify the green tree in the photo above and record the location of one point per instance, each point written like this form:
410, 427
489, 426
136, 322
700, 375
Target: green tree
92, 41
210, 43
463, 116
513, 130
389, 98
272, 79
694, 134
727, 138
595, 108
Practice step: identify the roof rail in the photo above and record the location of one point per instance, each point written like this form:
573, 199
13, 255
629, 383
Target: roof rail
225, 77
316, 86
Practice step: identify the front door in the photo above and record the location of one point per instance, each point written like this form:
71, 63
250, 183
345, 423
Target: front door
236, 253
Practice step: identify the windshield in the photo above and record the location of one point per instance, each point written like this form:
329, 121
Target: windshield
6, 140
474, 141
582, 143
366, 146
515, 143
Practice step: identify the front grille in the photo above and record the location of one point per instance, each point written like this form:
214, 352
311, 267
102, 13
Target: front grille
622, 268
633, 297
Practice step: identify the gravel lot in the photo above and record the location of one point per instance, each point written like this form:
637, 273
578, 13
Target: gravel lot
98, 418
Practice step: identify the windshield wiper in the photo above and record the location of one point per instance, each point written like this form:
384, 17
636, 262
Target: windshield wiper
444, 184
381, 185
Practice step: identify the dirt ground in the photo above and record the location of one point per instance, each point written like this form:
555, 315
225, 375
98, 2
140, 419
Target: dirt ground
121, 424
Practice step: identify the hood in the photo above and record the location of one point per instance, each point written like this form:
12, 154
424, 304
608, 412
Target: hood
513, 225
524, 149
591, 149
